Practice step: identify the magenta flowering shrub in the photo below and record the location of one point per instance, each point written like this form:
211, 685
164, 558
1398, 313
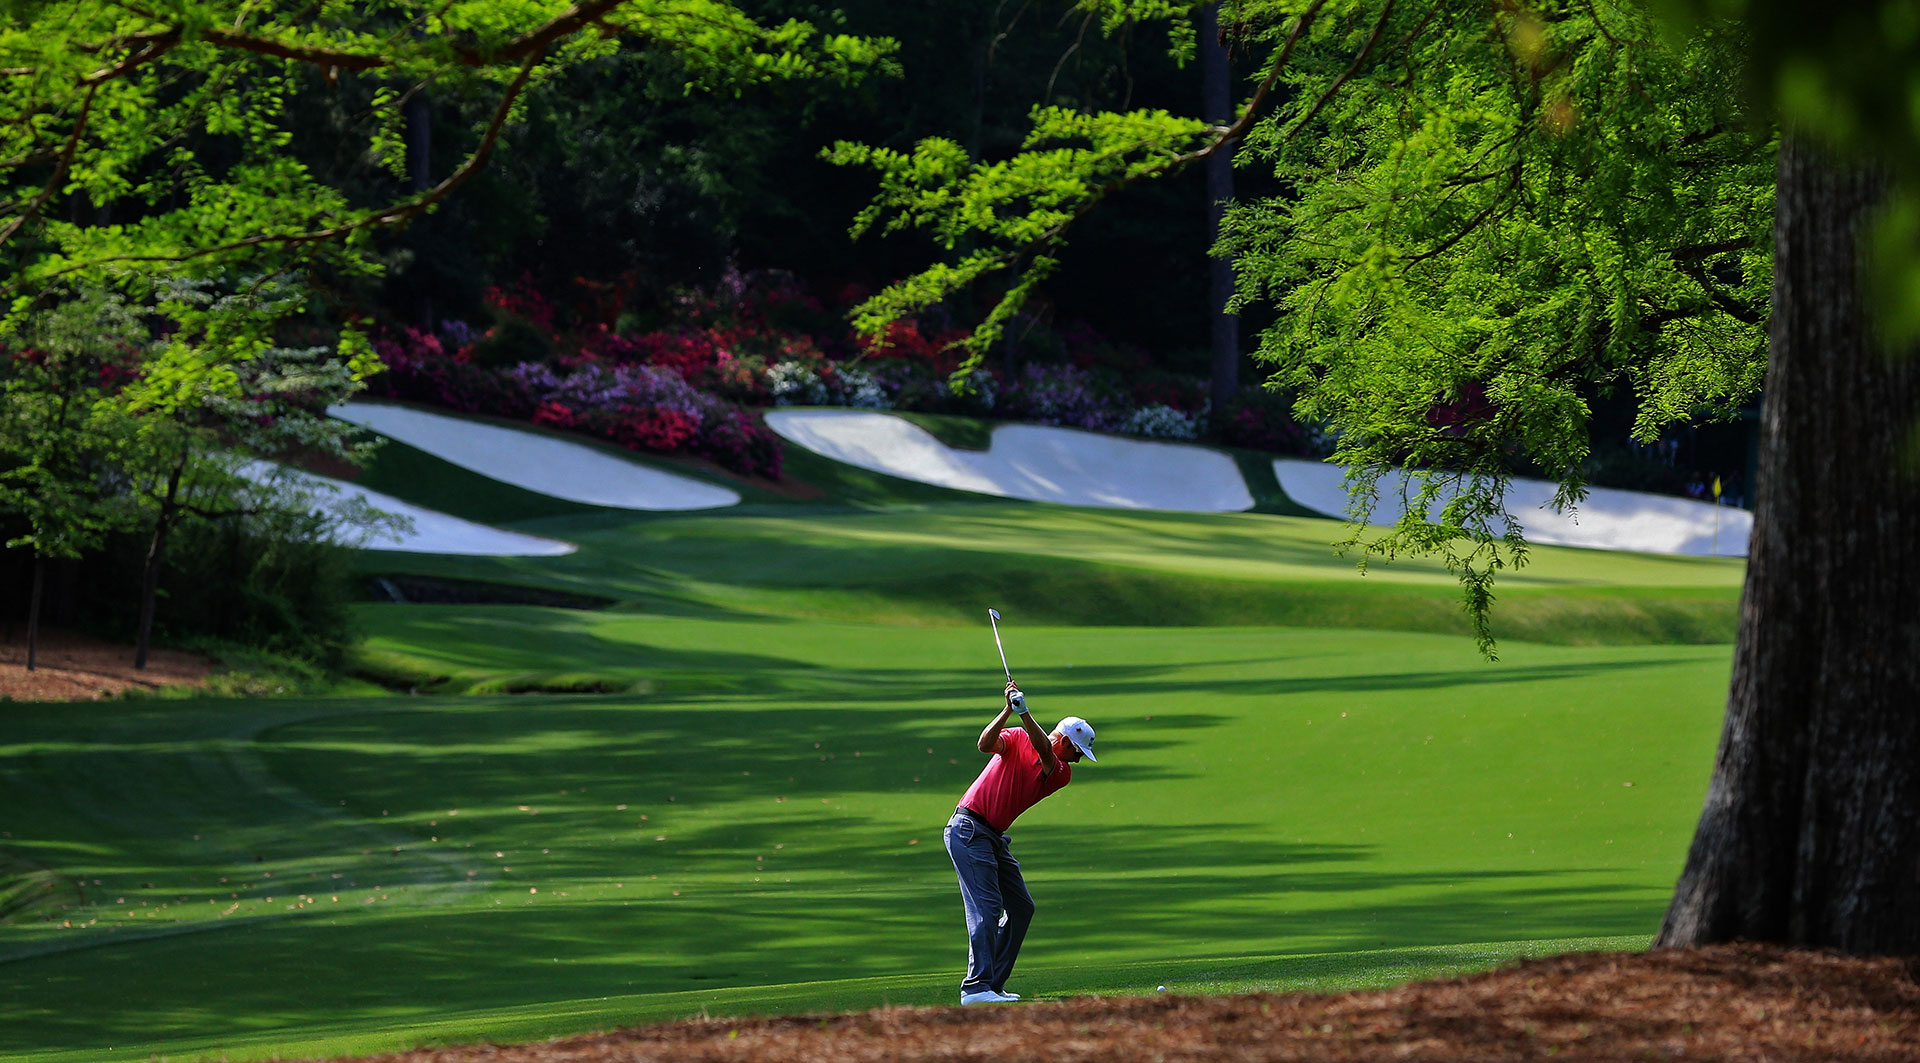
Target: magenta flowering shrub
644, 407
758, 340
689, 353
737, 439
1188, 394
637, 406
421, 369
1258, 419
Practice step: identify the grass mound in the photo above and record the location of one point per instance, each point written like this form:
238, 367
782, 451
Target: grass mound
31, 891
415, 674
960, 433
559, 683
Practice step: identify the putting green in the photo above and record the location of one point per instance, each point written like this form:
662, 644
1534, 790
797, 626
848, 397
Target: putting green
763, 831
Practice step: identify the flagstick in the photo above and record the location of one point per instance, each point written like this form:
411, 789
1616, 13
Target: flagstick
1716, 516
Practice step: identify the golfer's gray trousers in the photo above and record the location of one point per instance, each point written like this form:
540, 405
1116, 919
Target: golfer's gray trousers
999, 908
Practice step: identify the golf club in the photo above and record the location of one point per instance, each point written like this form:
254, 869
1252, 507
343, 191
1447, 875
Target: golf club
993, 617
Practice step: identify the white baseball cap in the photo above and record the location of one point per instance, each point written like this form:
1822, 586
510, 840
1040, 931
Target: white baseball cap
1080, 733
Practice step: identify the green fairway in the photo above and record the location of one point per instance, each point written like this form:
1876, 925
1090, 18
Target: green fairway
771, 818
1308, 779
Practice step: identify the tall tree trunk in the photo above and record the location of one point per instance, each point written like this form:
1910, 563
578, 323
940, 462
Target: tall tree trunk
420, 172
1811, 830
33, 612
982, 81
150, 572
1217, 89
419, 142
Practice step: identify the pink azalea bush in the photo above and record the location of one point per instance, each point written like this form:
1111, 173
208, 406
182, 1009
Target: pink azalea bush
697, 385
640, 407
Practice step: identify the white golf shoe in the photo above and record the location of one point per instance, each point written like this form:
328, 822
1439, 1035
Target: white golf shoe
987, 996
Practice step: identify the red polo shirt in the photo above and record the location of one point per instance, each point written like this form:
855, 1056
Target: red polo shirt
1011, 783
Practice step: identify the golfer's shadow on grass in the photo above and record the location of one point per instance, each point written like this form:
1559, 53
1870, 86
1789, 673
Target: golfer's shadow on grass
1198, 882
1123, 681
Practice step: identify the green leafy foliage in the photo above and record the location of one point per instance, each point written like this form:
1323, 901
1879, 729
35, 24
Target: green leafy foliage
60, 436
1497, 217
264, 579
110, 439
178, 121
1848, 80
1487, 216
1006, 214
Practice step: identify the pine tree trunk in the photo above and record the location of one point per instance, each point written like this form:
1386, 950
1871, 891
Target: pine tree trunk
420, 173
150, 573
1811, 830
1217, 89
419, 142
33, 613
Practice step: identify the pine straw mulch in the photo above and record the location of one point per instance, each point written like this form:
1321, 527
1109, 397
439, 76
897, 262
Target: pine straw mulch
1727, 1002
74, 667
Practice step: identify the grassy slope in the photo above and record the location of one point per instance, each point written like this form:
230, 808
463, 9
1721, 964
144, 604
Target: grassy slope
1044, 564
859, 545
1275, 806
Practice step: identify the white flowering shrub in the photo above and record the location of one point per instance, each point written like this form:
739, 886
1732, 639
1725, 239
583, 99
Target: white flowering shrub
861, 388
977, 393
796, 384
1321, 438
1161, 422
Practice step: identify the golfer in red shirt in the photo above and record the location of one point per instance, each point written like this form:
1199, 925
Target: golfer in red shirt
1027, 765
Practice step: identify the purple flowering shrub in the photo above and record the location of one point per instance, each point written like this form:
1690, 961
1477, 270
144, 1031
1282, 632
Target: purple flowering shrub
1064, 395
591, 387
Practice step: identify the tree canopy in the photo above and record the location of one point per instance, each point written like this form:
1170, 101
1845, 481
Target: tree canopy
1485, 216
142, 139
1491, 218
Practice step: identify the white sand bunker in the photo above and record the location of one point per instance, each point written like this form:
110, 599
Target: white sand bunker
1033, 462
1609, 519
536, 462
426, 531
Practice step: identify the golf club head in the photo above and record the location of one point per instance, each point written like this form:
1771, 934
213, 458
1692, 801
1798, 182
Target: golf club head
993, 617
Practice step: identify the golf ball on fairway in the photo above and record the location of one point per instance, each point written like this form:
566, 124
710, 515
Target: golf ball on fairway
1163, 989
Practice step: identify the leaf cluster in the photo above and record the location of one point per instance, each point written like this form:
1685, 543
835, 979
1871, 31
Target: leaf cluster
136, 140
1007, 214
61, 441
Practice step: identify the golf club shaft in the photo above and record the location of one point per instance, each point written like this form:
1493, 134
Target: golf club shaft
1002, 649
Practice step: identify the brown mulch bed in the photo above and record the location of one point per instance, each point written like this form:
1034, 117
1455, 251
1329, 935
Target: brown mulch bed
1729, 1002
75, 667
